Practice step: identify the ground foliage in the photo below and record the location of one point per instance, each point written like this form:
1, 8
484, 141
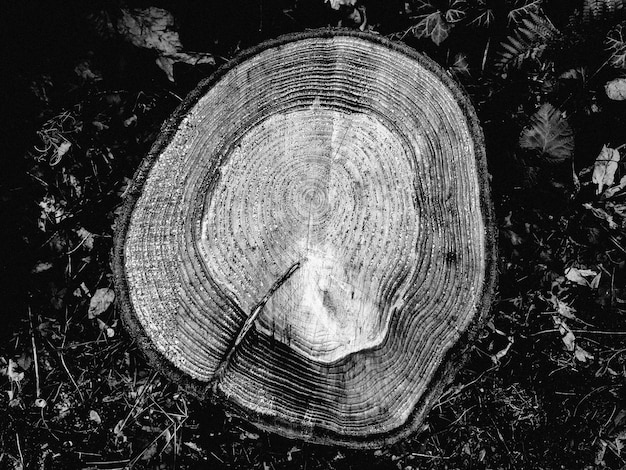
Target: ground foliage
545, 385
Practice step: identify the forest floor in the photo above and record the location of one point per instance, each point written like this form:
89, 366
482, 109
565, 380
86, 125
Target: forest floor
545, 386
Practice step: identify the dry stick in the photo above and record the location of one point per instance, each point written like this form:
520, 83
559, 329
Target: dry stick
588, 332
35, 358
62, 359
256, 311
19, 448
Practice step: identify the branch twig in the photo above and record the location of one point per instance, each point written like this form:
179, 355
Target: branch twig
256, 311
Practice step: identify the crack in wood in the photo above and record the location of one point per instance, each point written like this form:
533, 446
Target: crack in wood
256, 311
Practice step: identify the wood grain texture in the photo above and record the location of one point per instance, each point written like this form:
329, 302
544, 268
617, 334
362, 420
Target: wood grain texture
310, 241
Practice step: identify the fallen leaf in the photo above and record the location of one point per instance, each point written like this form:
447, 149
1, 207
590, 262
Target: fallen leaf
248, 435
503, 352
610, 192
83, 70
101, 300
605, 167
564, 309
549, 134
460, 66
51, 210
616, 89
601, 214
106, 329
568, 338
149, 452
95, 417
581, 355
337, 4
154, 28
595, 282
291, 451
41, 267
61, 150
579, 276
13, 372
87, 238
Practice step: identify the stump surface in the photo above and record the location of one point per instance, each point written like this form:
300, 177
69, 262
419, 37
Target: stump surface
311, 238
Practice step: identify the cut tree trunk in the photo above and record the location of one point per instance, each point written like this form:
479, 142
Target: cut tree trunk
310, 241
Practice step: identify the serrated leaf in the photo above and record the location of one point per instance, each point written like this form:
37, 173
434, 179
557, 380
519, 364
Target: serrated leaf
604, 168
616, 89
549, 134
101, 300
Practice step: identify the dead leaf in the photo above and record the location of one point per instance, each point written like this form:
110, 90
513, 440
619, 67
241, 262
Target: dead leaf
41, 267
549, 134
249, 435
564, 309
602, 214
101, 300
95, 417
568, 338
579, 276
503, 352
106, 329
60, 151
87, 238
610, 192
51, 210
13, 372
460, 66
581, 355
605, 167
337, 4
154, 28
291, 451
616, 89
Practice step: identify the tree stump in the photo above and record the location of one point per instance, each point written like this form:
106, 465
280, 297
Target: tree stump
310, 241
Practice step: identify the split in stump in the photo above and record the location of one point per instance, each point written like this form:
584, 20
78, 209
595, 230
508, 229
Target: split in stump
310, 240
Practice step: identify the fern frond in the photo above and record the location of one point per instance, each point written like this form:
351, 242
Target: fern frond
549, 135
603, 10
528, 41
